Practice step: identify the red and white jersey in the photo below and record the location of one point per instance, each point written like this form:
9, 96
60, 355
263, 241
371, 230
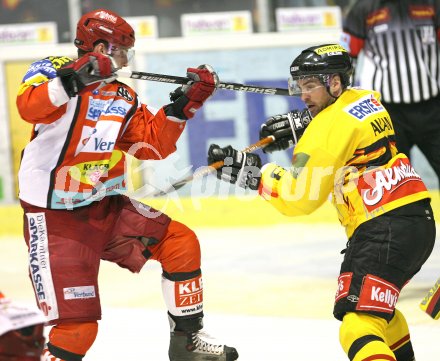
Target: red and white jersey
77, 150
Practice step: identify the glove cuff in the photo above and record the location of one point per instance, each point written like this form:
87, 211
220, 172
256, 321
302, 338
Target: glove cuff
70, 81
177, 108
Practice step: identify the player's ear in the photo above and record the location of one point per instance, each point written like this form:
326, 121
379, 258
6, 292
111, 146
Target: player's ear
335, 85
100, 48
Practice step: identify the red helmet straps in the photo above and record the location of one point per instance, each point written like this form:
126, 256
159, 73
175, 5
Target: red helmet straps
105, 25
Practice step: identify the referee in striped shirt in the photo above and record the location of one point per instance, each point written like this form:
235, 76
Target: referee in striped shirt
400, 44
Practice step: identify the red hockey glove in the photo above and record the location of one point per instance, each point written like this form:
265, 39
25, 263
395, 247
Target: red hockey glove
287, 129
187, 99
86, 74
241, 168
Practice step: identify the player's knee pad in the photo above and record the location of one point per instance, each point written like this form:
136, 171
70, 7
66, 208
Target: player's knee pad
71, 341
180, 251
398, 337
359, 330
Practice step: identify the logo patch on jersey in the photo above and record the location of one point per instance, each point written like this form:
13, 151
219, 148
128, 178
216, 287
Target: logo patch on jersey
378, 17
77, 293
377, 295
124, 93
86, 133
95, 108
344, 282
91, 172
100, 139
364, 107
386, 185
106, 93
116, 110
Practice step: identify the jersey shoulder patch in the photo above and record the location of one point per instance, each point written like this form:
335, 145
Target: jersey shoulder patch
364, 107
125, 92
44, 69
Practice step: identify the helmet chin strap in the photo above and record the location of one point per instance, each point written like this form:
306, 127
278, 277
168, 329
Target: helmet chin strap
334, 97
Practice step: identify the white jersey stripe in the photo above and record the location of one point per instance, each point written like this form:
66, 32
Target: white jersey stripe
40, 158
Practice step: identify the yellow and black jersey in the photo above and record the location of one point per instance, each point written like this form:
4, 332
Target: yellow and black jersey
348, 151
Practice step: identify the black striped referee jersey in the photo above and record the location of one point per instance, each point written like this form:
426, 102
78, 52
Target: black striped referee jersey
400, 43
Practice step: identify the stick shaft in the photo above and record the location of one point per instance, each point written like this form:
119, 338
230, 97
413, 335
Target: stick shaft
204, 171
172, 79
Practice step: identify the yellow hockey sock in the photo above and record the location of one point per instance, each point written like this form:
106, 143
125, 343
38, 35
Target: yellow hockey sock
398, 337
362, 337
375, 351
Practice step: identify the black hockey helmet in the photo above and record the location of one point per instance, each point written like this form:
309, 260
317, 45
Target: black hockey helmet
321, 62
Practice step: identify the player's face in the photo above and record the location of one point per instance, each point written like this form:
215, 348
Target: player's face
315, 95
122, 56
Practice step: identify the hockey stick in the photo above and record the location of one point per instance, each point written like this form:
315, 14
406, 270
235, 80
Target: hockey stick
431, 303
204, 171
163, 78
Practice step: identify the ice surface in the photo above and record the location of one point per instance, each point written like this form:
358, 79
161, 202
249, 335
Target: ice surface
268, 291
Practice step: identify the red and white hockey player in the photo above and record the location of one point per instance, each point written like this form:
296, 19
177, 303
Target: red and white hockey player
71, 177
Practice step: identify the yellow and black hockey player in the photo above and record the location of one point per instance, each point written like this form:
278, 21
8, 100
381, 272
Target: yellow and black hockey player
348, 150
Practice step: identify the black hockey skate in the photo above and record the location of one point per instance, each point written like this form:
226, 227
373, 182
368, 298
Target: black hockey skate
197, 346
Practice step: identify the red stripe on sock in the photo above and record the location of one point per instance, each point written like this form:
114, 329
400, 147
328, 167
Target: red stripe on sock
379, 357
